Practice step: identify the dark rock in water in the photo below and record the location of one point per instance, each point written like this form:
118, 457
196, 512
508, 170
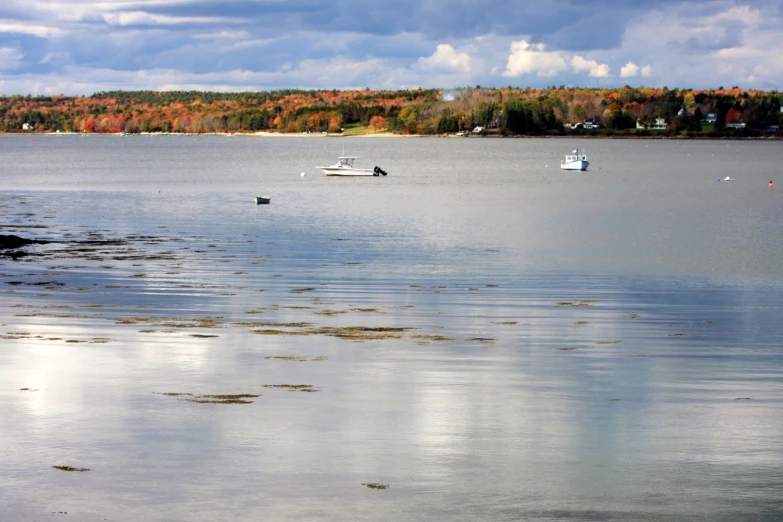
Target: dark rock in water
7, 242
9, 246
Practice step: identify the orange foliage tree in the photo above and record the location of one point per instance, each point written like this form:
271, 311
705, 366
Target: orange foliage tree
377, 123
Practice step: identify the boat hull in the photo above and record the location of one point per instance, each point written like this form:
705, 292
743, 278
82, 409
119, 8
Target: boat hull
575, 165
347, 172
263, 200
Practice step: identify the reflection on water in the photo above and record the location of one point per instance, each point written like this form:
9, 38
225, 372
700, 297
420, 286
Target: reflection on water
490, 337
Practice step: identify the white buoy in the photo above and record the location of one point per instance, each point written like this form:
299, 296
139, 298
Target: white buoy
303, 174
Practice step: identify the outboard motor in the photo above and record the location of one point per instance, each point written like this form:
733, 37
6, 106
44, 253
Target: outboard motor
377, 171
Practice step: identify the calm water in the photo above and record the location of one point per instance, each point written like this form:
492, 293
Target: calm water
574, 346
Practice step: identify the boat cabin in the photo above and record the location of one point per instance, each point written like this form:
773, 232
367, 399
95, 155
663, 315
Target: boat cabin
346, 161
575, 156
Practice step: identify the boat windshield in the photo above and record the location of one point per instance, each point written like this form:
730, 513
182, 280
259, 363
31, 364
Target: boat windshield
346, 161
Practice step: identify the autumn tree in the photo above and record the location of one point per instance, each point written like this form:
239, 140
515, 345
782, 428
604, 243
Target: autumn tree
377, 123
317, 122
335, 121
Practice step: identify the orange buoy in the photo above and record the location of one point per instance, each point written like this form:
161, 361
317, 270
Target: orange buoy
771, 184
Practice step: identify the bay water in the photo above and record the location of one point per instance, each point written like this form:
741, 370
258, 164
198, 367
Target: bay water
477, 336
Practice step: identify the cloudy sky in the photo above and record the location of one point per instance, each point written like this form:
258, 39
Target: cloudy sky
85, 46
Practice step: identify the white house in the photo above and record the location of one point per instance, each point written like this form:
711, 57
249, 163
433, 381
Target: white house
711, 117
683, 112
660, 123
27, 126
735, 125
587, 124
478, 130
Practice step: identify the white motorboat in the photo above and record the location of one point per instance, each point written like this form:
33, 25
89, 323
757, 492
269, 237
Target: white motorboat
574, 161
344, 167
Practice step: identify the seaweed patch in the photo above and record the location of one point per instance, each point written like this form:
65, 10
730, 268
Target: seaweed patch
293, 387
239, 398
71, 468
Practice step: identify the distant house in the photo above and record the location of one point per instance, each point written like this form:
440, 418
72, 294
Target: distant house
735, 125
711, 117
587, 124
773, 128
27, 126
478, 130
683, 112
660, 123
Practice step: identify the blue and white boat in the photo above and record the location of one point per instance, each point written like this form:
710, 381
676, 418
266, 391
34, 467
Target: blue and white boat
574, 161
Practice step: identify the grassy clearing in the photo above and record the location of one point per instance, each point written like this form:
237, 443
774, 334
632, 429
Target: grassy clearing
356, 129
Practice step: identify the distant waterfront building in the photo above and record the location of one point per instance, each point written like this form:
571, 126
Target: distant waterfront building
587, 124
660, 123
711, 117
683, 112
735, 125
27, 127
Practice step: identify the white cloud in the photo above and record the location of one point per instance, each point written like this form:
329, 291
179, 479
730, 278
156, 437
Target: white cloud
581, 64
725, 44
60, 58
85, 10
41, 31
224, 35
444, 59
336, 72
526, 58
124, 18
601, 71
596, 70
629, 70
10, 58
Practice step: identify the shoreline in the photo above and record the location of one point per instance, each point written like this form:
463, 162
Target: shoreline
391, 135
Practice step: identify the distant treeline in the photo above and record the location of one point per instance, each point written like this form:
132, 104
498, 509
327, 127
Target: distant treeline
420, 111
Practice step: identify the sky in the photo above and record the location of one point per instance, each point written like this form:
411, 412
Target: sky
79, 47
